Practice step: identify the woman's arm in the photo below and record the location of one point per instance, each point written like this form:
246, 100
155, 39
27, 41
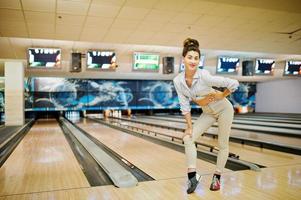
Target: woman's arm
218, 81
185, 108
215, 96
220, 95
183, 100
188, 130
205, 101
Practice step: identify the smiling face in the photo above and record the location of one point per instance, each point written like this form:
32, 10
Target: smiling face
191, 61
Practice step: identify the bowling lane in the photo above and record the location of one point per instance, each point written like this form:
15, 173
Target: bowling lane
252, 121
43, 161
157, 161
280, 183
257, 155
260, 119
251, 118
294, 130
253, 135
269, 124
272, 116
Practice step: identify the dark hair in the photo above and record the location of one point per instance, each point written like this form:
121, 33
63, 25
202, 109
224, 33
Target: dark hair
190, 45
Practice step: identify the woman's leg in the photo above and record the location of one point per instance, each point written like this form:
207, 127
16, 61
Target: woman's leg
225, 119
224, 128
199, 127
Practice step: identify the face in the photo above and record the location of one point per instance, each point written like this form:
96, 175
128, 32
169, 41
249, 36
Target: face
191, 60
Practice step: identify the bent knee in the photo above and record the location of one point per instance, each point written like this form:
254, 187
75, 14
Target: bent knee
188, 140
223, 147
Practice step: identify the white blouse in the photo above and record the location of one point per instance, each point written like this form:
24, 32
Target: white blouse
201, 86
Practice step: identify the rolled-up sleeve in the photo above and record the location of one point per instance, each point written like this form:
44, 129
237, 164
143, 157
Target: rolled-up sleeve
183, 100
219, 81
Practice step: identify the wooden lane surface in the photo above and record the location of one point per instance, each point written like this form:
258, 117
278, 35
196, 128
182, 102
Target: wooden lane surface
269, 184
258, 155
293, 120
278, 139
246, 122
268, 120
157, 161
251, 121
273, 116
42, 161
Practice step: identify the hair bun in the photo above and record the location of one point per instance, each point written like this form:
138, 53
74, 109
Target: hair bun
191, 42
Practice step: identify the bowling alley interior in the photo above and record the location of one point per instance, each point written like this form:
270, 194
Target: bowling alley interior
89, 107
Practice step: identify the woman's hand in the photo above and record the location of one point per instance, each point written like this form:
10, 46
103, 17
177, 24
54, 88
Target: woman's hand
211, 97
188, 131
218, 95
206, 100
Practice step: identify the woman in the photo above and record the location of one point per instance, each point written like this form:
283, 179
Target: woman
195, 84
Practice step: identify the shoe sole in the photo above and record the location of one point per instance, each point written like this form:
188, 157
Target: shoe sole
214, 189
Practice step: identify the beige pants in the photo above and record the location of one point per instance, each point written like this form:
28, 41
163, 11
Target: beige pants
222, 112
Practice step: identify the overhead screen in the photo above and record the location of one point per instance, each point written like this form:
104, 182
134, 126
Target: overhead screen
264, 66
146, 62
292, 68
227, 65
100, 59
44, 58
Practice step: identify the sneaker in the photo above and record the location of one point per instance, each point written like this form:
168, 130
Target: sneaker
215, 184
193, 183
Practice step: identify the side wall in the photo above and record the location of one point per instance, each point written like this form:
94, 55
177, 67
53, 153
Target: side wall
282, 96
